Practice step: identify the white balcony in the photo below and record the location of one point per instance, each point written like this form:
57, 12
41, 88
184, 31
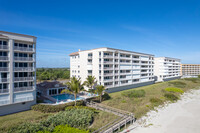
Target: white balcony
108, 68
23, 59
24, 69
28, 88
24, 49
3, 47
4, 80
108, 56
4, 69
23, 78
108, 74
108, 80
4, 91
4, 58
23, 99
108, 62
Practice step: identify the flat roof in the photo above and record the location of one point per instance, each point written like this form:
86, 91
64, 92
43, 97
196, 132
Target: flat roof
76, 53
6, 32
168, 57
192, 64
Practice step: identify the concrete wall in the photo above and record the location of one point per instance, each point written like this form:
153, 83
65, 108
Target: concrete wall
116, 89
168, 79
14, 108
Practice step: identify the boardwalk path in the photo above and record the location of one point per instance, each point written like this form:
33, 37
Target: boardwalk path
125, 118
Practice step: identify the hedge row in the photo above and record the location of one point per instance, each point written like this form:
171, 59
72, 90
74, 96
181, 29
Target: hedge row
54, 108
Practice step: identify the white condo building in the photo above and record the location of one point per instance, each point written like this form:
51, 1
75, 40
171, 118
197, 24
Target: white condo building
17, 72
114, 68
166, 68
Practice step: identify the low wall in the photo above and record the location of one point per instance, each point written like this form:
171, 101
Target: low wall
121, 88
168, 79
14, 108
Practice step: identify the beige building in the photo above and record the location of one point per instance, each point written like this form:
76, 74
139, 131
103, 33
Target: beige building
190, 69
17, 72
167, 68
114, 68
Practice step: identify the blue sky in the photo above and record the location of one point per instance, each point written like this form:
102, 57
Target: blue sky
163, 28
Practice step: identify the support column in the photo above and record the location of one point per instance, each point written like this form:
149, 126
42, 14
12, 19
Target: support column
11, 62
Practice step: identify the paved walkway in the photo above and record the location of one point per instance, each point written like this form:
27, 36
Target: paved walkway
180, 117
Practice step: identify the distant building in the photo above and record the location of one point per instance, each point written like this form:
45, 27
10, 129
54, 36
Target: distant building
166, 68
116, 69
17, 72
190, 69
50, 88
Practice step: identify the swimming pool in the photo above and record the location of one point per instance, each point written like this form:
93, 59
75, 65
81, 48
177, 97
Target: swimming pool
65, 97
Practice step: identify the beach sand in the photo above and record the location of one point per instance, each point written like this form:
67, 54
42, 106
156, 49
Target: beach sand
180, 117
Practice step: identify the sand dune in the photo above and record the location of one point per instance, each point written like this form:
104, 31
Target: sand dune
180, 117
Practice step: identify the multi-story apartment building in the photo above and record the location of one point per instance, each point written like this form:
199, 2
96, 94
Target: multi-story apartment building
114, 68
167, 68
190, 69
17, 72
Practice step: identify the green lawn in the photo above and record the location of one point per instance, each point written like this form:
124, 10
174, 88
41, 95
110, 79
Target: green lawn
12, 120
140, 106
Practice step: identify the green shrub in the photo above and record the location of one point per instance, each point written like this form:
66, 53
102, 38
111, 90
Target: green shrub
178, 84
54, 108
65, 129
156, 101
198, 76
26, 128
172, 89
106, 96
134, 93
80, 107
78, 118
171, 96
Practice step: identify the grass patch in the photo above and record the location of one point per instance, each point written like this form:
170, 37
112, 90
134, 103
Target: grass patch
17, 119
171, 97
156, 101
101, 119
194, 80
134, 93
178, 84
173, 89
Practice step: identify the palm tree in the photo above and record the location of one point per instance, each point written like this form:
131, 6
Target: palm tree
99, 90
90, 82
74, 87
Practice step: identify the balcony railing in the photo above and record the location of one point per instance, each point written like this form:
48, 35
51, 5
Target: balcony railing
24, 49
24, 69
108, 68
108, 74
23, 99
3, 47
23, 78
3, 58
109, 56
3, 69
28, 88
24, 58
3, 80
4, 91
108, 62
